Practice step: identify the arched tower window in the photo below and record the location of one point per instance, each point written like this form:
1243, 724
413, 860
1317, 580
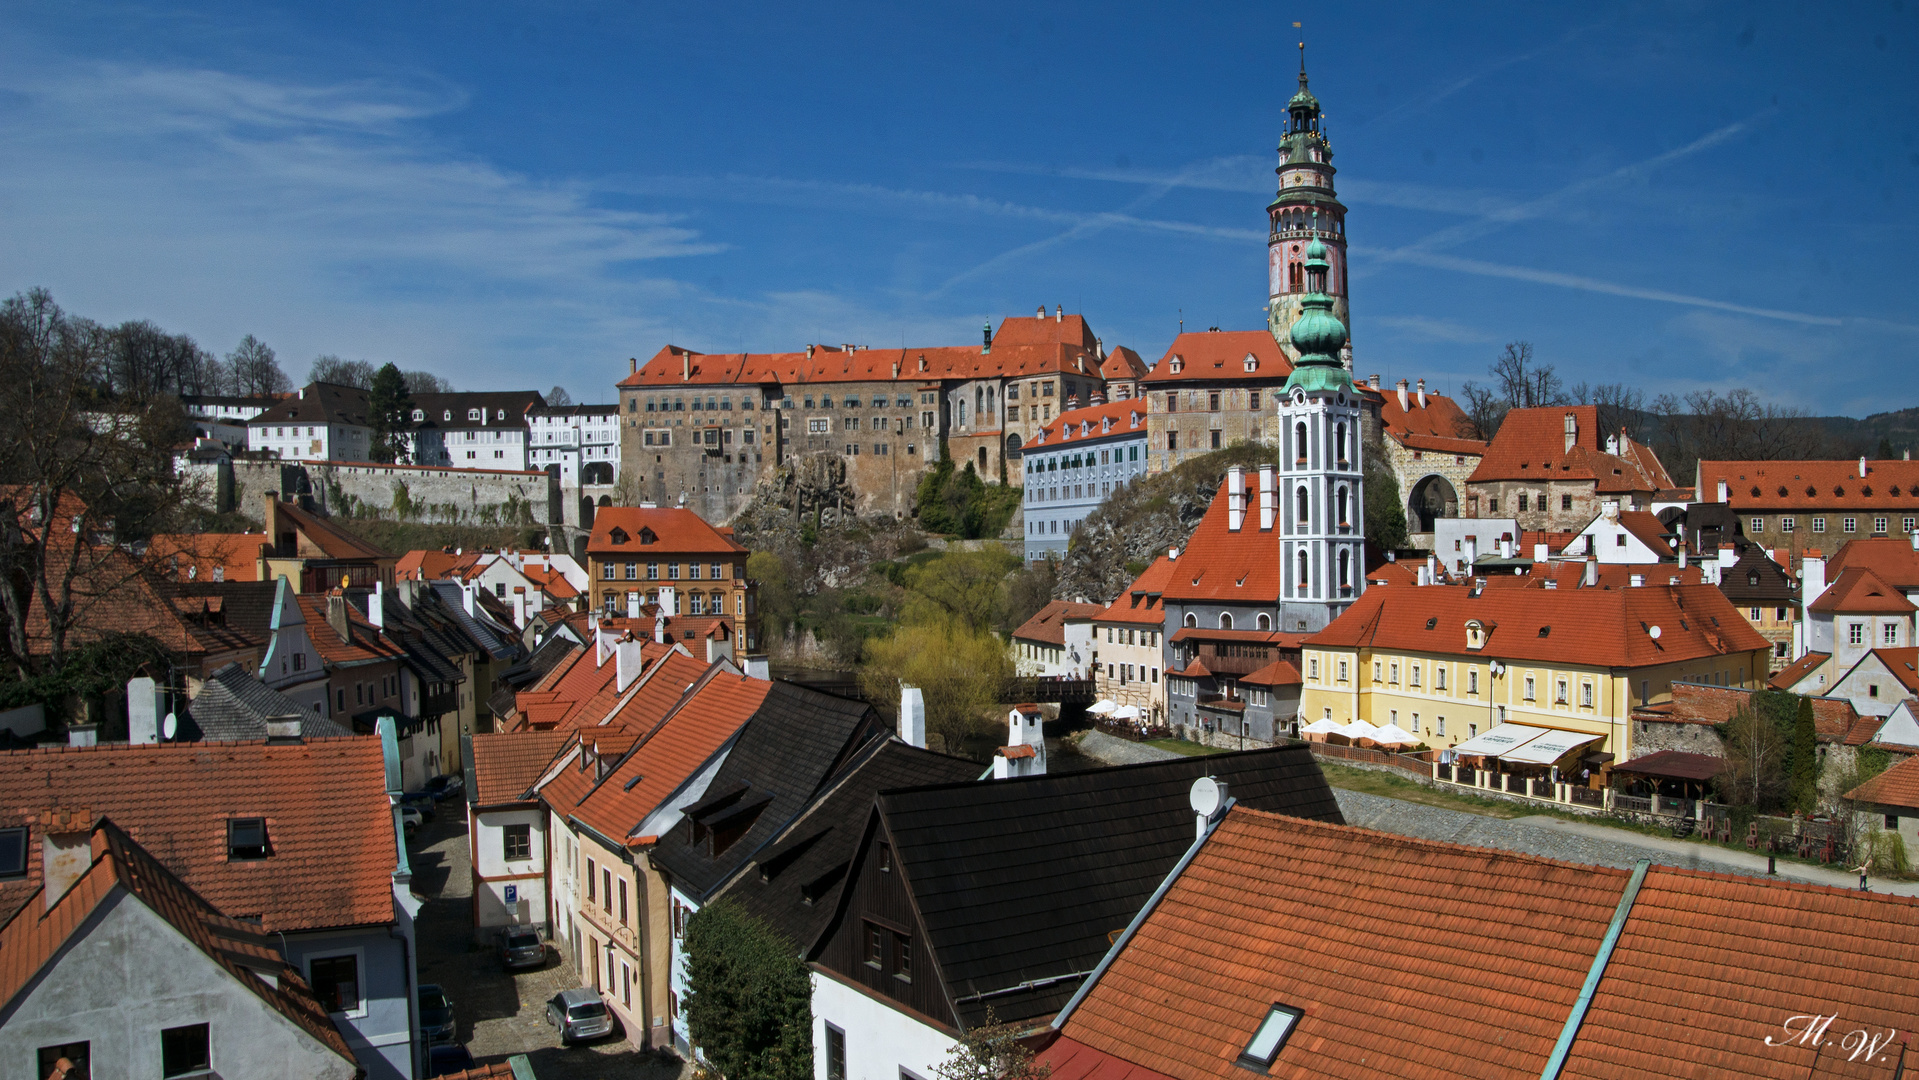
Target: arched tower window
1305, 577
1339, 443
1192, 619
1299, 441
1225, 621
1340, 518
1265, 621
1301, 502
1345, 569
1295, 277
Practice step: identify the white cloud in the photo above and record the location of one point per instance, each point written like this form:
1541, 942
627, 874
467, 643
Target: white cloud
1421, 328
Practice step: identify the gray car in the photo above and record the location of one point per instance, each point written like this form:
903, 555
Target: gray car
579, 1014
521, 949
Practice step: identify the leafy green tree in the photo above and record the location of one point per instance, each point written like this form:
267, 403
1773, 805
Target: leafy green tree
957, 502
962, 585
389, 414
1805, 760
779, 602
749, 998
958, 669
1031, 589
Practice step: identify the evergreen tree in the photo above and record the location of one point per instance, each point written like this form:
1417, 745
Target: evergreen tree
390, 414
1805, 760
749, 998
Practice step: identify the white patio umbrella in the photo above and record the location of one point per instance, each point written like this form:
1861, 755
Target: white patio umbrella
1100, 707
1126, 712
1320, 727
1394, 735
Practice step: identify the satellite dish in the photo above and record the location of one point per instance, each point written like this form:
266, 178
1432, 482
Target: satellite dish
1206, 796
169, 727
1653, 632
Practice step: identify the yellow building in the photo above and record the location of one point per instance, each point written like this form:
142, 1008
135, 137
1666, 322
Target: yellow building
1450, 662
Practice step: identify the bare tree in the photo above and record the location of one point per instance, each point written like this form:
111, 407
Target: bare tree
558, 397
332, 369
1736, 426
1621, 407
84, 480
425, 382
253, 371
1518, 382
144, 359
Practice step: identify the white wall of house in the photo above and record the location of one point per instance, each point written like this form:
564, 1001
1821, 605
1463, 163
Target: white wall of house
312, 442
564, 897
1458, 541
496, 872
676, 974
882, 1043
1608, 541
1871, 687
127, 976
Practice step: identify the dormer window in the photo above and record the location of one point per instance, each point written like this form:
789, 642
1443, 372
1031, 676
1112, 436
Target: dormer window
419, 415
1252, 363
618, 536
647, 536
447, 416
1176, 364
246, 838
13, 853
1475, 634
473, 414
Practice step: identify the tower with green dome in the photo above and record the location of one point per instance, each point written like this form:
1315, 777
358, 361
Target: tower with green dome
1321, 470
1304, 212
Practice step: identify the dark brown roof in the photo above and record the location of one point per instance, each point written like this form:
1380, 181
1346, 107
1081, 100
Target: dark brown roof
319, 403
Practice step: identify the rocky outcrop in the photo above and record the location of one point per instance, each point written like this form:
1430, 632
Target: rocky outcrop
1138, 523
803, 512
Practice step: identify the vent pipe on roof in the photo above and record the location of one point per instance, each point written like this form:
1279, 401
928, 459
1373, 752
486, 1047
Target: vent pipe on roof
1862, 466
634, 361
1724, 492
1267, 507
986, 336
1572, 431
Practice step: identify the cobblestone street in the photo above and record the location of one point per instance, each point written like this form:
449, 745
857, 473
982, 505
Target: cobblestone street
501, 1014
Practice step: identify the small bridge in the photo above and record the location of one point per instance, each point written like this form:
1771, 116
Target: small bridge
1049, 688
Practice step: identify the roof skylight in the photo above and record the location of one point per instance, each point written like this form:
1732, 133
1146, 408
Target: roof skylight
1271, 1036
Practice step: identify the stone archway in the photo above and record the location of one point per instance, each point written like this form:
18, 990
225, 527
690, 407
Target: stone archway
596, 472
1433, 497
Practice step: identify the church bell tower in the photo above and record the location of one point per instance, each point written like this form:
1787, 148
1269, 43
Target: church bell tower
1303, 213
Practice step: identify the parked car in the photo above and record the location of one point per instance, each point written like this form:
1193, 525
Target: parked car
521, 949
579, 1014
421, 801
436, 1015
447, 1060
445, 787
410, 819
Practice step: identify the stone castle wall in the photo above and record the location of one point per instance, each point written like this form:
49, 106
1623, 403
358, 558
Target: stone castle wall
411, 492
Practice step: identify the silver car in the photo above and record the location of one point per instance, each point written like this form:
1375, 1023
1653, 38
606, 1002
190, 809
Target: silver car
579, 1014
521, 949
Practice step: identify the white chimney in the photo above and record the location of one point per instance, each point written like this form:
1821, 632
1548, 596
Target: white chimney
1173, 553
1638, 580
1541, 553
670, 600
1725, 494
1591, 577
1422, 393
283, 729
1472, 551
1915, 540
1267, 508
1374, 381
376, 606
66, 850
1235, 498
1862, 466
758, 668
144, 705
1059, 312
1812, 579
1405, 404
627, 661
633, 605
659, 627
1505, 547
1572, 431
912, 716
1682, 555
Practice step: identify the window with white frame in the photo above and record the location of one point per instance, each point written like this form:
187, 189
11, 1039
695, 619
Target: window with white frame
1439, 676
1855, 633
1585, 695
1559, 692
1440, 730
1472, 680
1529, 688
1890, 635
1412, 674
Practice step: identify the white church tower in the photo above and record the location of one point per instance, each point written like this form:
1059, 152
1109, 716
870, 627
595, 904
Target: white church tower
1322, 501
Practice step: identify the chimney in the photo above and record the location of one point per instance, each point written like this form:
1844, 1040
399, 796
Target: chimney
1059, 312
896, 369
686, 367
1862, 466
336, 615
1040, 313
66, 850
1541, 553
758, 668
1812, 578
376, 606
912, 716
627, 661
1590, 579
1405, 405
1472, 551
633, 605
634, 363
1612, 444
1915, 540
1432, 569
1725, 494
1422, 393
1682, 555
1267, 507
1572, 431
659, 627
1505, 547
86, 734
144, 705
1173, 553
1235, 498
283, 730
1373, 381
271, 515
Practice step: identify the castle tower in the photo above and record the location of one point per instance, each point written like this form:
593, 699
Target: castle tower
1321, 488
1305, 210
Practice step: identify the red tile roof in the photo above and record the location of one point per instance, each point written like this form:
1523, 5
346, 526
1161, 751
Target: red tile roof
1220, 356
676, 531
36, 934
1122, 364
1277, 673
1697, 703
1897, 786
1896, 562
194, 556
1901, 662
1888, 486
1569, 573
551, 581
1070, 1059
1392, 573
1110, 421
432, 565
1646, 527
1440, 444
1531, 445
1048, 624
1596, 627
1044, 329
1139, 605
329, 825
1441, 417
506, 764
1785, 677
1712, 975
1857, 590
365, 643
673, 366
1220, 565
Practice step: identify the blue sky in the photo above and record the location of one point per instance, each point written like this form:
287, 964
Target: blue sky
1677, 195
